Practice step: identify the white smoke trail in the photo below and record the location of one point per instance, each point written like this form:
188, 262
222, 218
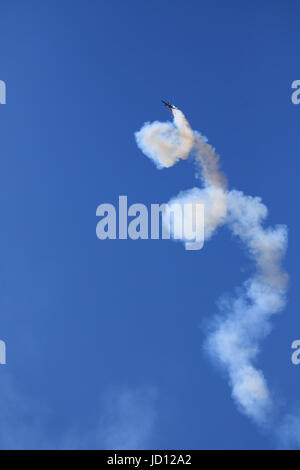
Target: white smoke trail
235, 336
166, 142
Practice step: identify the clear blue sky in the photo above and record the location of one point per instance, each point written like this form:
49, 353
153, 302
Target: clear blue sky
105, 338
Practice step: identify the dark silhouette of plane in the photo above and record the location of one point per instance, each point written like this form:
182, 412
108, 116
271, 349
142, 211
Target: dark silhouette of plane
168, 105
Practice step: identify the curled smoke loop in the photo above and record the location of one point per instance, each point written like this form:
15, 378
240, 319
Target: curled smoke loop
236, 333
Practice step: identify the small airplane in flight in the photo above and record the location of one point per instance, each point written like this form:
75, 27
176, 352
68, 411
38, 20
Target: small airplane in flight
169, 105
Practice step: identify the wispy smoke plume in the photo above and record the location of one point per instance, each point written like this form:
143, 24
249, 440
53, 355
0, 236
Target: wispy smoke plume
236, 333
236, 336
129, 418
165, 142
288, 433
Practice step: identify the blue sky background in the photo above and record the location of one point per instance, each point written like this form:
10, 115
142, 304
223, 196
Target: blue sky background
105, 338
